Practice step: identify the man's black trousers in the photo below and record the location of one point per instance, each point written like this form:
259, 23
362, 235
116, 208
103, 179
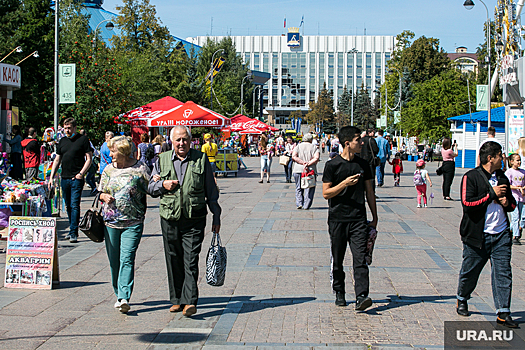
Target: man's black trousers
356, 235
182, 245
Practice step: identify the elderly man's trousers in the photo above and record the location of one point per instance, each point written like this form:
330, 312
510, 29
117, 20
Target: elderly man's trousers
182, 245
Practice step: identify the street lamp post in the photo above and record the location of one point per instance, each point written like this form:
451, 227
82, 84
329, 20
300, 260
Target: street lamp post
211, 76
469, 4
55, 101
34, 54
242, 90
353, 52
17, 49
253, 100
109, 26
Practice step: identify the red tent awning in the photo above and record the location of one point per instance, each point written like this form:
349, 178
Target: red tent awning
241, 122
189, 114
151, 110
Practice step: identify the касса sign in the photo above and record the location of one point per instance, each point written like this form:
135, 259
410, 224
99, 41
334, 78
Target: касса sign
10, 76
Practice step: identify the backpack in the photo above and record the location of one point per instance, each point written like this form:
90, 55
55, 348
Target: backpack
418, 179
150, 153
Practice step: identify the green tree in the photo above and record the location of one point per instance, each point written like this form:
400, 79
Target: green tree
140, 28
482, 52
344, 108
322, 110
34, 31
100, 95
434, 101
364, 112
152, 67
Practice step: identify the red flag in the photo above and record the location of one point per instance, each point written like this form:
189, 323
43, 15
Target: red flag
284, 21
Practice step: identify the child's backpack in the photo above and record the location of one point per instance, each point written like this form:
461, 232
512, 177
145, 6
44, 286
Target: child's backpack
418, 179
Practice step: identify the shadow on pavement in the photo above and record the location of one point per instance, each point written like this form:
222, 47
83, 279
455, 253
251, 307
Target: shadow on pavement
246, 305
172, 337
395, 301
76, 284
153, 306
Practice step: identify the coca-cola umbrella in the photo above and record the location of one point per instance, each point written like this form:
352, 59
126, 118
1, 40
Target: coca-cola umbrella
190, 114
241, 122
140, 115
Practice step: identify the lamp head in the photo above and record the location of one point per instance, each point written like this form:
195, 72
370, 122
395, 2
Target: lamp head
110, 26
35, 54
19, 49
468, 4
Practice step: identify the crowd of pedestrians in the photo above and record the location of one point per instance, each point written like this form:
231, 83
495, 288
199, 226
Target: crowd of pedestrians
183, 178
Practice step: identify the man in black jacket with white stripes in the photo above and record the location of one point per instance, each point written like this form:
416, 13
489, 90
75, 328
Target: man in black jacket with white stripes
486, 198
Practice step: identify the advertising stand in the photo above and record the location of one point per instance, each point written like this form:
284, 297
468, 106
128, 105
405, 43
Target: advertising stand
226, 161
32, 256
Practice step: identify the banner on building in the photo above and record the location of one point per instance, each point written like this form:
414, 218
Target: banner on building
66, 83
30, 252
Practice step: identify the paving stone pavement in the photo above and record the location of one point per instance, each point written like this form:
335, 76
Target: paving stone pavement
277, 292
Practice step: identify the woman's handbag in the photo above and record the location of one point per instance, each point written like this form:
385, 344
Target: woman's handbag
307, 179
92, 224
284, 160
216, 262
439, 170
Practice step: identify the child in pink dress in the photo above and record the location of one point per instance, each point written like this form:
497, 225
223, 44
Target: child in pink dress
421, 179
516, 178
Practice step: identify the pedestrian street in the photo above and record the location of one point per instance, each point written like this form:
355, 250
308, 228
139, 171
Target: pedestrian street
277, 293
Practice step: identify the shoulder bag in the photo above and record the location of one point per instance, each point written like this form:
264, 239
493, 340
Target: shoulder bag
216, 262
376, 160
439, 170
92, 224
284, 159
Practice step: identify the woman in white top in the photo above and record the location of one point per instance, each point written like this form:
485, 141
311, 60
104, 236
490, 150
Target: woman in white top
288, 151
305, 157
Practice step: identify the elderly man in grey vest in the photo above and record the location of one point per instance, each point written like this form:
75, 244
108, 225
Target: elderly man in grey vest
183, 178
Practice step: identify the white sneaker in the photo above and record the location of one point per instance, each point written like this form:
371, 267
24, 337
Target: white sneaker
425, 206
419, 205
124, 306
117, 304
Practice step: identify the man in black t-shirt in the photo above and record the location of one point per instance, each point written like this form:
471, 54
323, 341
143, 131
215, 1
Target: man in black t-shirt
75, 153
346, 180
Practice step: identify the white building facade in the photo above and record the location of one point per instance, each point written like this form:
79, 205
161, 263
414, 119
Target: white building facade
301, 65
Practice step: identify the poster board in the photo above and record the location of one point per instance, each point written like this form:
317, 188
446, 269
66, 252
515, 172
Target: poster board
515, 123
226, 161
31, 253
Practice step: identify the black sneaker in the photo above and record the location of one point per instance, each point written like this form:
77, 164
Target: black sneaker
362, 303
504, 319
340, 299
516, 241
462, 308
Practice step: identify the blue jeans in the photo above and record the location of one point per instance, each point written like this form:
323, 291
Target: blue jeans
498, 249
121, 246
517, 219
380, 173
72, 191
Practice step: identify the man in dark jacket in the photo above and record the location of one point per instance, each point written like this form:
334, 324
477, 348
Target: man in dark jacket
369, 151
486, 198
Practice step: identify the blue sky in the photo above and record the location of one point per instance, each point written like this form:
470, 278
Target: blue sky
446, 20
